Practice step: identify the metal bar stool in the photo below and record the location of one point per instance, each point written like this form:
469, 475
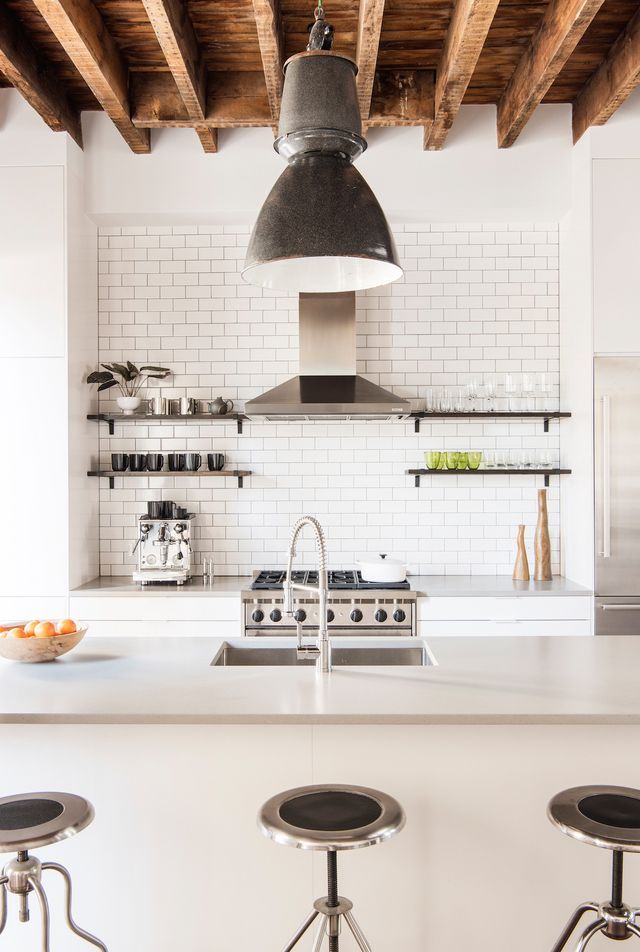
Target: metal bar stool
608, 817
28, 821
331, 817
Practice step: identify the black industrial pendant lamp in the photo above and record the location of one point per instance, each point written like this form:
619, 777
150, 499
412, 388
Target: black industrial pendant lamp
321, 228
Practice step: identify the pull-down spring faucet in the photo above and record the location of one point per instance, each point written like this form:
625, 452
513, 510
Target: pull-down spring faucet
321, 651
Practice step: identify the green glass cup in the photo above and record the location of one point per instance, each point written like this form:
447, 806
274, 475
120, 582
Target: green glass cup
475, 458
443, 459
463, 460
452, 460
432, 459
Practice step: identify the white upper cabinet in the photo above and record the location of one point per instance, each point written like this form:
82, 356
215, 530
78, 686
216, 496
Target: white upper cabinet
32, 289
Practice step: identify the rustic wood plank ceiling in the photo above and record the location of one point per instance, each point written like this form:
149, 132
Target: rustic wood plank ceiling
215, 64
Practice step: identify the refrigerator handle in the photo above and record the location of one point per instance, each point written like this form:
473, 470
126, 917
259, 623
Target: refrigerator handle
606, 478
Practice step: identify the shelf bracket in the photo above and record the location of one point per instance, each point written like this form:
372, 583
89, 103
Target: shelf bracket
239, 422
417, 482
546, 479
546, 424
416, 425
240, 482
112, 426
112, 482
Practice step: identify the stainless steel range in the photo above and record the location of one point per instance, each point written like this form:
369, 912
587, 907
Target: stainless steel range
355, 607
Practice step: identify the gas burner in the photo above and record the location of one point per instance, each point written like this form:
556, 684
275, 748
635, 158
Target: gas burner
271, 579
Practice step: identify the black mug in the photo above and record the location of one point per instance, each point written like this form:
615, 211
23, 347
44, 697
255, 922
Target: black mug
137, 462
192, 461
119, 462
176, 462
154, 509
155, 462
167, 509
179, 512
215, 461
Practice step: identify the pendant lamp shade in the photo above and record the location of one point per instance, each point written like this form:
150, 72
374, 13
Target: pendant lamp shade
321, 229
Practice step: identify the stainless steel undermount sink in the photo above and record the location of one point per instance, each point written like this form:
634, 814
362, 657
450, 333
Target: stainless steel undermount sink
256, 652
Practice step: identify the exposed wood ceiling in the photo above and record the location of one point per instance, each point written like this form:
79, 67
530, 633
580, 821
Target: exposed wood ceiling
215, 64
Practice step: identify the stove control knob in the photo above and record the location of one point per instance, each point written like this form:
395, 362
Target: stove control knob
330, 615
356, 615
299, 615
258, 615
381, 615
399, 615
276, 615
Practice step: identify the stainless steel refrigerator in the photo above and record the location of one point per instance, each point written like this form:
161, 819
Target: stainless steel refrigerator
617, 479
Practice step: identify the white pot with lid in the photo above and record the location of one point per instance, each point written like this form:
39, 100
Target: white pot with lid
380, 568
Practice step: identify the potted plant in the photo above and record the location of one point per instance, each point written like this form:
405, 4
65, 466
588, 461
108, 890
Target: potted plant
130, 383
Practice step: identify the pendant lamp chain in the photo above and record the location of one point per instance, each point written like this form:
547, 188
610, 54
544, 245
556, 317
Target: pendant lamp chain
320, 32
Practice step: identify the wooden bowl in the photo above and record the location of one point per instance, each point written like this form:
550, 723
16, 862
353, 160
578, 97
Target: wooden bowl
37, 650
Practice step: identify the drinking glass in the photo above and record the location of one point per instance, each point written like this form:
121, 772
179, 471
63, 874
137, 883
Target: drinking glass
490, 387
474, 459
512, 390
432, 459
452, 460
489, 459
544, 459
432, 400
544, 390
501, 459
443, 459
463, 460
529, 391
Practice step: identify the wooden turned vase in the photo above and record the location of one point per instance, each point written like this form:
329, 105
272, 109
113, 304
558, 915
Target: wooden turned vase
542, 543
521, 567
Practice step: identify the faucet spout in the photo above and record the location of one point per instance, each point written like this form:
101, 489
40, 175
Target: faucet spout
323, 648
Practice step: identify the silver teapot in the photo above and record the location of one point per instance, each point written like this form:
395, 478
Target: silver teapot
219, 406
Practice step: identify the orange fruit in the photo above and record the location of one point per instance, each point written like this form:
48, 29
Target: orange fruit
66, 626
30, 627
44, 629
18, 633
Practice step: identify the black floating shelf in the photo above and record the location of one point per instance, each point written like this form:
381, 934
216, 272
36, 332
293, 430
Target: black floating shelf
496, 471
111, 475
112, 418
544, 415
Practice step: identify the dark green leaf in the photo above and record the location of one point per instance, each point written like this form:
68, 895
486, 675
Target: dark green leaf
119, 369
132, 369
107, 385
99, 376
150, 369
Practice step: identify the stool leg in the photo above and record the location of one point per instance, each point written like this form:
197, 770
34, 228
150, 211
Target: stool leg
589, 933
44, 910
57, 868
320, 935
358, 934
572, 923
332, 898
311, 918
3, 902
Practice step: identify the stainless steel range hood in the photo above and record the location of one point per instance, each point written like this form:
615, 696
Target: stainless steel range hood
328, 387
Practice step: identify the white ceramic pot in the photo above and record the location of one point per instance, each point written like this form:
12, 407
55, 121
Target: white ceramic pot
128, 405
380, 568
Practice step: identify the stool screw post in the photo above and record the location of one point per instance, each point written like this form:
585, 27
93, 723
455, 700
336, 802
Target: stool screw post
616, 879
332, 893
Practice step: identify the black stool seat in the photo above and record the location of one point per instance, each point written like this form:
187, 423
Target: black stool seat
608, 817
30, 820
331, 817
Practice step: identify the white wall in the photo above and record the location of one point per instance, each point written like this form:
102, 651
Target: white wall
469, 181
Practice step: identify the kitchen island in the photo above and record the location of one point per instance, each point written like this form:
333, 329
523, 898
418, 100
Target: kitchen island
178, 755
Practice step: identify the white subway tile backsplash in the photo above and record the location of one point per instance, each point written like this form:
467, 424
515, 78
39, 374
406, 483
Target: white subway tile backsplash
475, 300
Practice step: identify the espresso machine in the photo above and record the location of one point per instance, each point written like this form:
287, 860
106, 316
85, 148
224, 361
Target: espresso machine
164, 550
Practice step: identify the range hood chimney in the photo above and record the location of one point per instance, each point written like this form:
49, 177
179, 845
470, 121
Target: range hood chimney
328, 387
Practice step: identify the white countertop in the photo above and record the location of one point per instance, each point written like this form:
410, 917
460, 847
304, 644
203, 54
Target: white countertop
454, 586
508, 680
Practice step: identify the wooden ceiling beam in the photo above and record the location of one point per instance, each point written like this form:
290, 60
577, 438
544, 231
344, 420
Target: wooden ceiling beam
369, 28
467, 32
270, 38
561, 29
81, 31
174, 30
233, 100
25, 69
612, 82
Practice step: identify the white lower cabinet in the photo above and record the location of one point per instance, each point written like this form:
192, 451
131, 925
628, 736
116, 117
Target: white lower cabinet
505, 615
153, 616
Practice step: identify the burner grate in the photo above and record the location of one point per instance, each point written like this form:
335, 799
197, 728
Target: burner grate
269, 579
